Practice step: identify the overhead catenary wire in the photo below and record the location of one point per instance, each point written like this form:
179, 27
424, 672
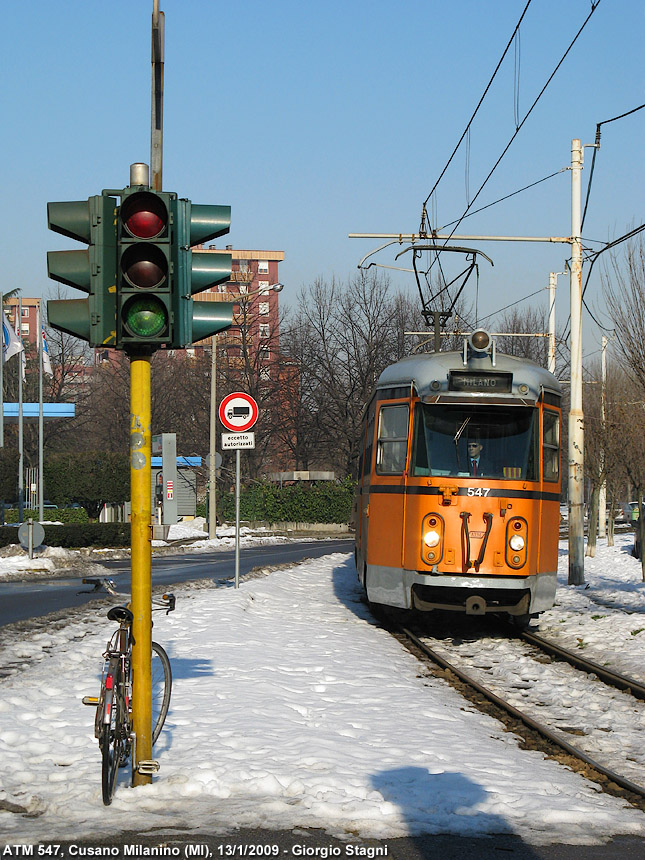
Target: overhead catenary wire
596, 148
505, 197
479, 103
594, 257
594, 6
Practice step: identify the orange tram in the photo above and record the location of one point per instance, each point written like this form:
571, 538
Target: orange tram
457, 504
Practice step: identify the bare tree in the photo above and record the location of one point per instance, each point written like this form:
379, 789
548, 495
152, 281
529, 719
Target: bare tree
623, 281
342, 337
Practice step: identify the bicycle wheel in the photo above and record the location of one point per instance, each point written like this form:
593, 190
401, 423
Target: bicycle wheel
115, 732
161, 688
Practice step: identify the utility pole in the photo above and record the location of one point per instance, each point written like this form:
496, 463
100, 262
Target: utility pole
553, 280
212, 466
602, 510
576, 416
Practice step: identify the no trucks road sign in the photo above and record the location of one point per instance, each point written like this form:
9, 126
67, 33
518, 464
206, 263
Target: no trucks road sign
238, 412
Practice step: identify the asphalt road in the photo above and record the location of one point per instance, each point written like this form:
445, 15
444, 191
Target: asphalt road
23, 599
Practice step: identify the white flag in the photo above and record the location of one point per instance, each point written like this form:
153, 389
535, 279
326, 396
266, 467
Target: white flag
47, 365
11, 343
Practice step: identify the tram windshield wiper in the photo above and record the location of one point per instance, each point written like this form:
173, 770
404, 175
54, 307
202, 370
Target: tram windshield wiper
461, 430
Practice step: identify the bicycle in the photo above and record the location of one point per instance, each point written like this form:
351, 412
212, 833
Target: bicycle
113, 721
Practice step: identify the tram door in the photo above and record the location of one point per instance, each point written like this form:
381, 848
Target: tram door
387, 492
363, 498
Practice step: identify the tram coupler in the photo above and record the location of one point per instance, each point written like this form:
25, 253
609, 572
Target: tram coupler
475, 605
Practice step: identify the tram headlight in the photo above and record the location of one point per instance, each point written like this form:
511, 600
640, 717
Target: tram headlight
431, 538
516, 543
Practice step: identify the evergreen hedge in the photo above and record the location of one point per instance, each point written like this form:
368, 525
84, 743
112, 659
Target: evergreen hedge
60, 515
76, 535
316, 503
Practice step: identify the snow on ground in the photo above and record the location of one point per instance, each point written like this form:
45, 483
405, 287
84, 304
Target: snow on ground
51, 561
292, 708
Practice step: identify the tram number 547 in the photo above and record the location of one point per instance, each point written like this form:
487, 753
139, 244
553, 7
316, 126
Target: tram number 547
478, 491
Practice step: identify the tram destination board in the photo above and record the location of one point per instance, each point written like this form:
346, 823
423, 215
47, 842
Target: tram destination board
493, 382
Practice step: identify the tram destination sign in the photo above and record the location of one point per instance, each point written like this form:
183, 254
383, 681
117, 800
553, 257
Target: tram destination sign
495, 383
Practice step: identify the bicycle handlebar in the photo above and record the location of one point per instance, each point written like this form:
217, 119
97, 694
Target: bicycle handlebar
166, 601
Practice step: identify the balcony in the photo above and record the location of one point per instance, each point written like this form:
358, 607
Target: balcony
242, 277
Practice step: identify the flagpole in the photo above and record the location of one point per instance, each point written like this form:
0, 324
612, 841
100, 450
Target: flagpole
41, 343
21, 453
2, 379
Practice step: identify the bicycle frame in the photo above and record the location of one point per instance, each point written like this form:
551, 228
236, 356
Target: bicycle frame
113, 720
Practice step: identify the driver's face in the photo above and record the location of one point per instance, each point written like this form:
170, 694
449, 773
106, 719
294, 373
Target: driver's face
474, 449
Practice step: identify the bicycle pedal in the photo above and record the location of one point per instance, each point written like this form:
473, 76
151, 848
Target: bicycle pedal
90, 700
148, 767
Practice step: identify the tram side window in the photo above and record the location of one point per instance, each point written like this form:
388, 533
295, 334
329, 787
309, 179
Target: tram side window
392, 445
551, 445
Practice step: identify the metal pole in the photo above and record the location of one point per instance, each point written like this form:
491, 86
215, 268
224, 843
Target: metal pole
237, 518
41, 501
156, 123
212, 471
576, 416
414, 237
141, 586
21, 453
602, 515
2, 379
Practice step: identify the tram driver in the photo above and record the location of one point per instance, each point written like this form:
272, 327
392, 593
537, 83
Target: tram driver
478, 464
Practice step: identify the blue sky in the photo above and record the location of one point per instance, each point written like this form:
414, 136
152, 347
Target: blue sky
314, 120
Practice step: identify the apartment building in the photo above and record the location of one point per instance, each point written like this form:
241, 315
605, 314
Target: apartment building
28, 327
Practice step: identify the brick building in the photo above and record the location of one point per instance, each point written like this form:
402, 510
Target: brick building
253, 272
29, 319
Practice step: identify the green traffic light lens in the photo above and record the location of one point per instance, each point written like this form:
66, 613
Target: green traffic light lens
145, 317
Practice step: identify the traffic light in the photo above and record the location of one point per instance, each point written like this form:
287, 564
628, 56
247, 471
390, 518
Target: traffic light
197, 271
92, 270
146, 279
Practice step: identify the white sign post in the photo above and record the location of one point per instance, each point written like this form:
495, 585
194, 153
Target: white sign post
238, 412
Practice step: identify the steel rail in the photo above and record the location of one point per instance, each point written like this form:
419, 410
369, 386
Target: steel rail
614, 679
622, 781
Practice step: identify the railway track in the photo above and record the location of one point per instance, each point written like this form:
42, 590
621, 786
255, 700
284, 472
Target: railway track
510, 675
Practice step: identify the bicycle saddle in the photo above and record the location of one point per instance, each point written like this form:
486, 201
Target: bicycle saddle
120, 614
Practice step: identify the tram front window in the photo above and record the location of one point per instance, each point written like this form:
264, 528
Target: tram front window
507, 437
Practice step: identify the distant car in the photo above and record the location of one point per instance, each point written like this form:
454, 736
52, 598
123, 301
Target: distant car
47, 504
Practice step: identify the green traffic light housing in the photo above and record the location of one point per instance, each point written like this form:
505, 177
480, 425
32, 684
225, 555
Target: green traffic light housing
199, 270
91, 270
139, 270
145, 273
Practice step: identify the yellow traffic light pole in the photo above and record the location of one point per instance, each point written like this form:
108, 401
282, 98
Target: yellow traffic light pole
141, 584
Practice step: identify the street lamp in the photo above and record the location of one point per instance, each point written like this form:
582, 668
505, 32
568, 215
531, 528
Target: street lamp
212, 470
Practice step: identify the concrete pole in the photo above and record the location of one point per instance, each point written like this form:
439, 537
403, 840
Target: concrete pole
576, 417
602, 513
552, 281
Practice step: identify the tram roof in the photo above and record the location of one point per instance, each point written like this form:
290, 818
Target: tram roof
430, 373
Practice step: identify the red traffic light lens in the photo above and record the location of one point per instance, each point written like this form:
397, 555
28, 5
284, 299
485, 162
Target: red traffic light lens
144, 215
144, 266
